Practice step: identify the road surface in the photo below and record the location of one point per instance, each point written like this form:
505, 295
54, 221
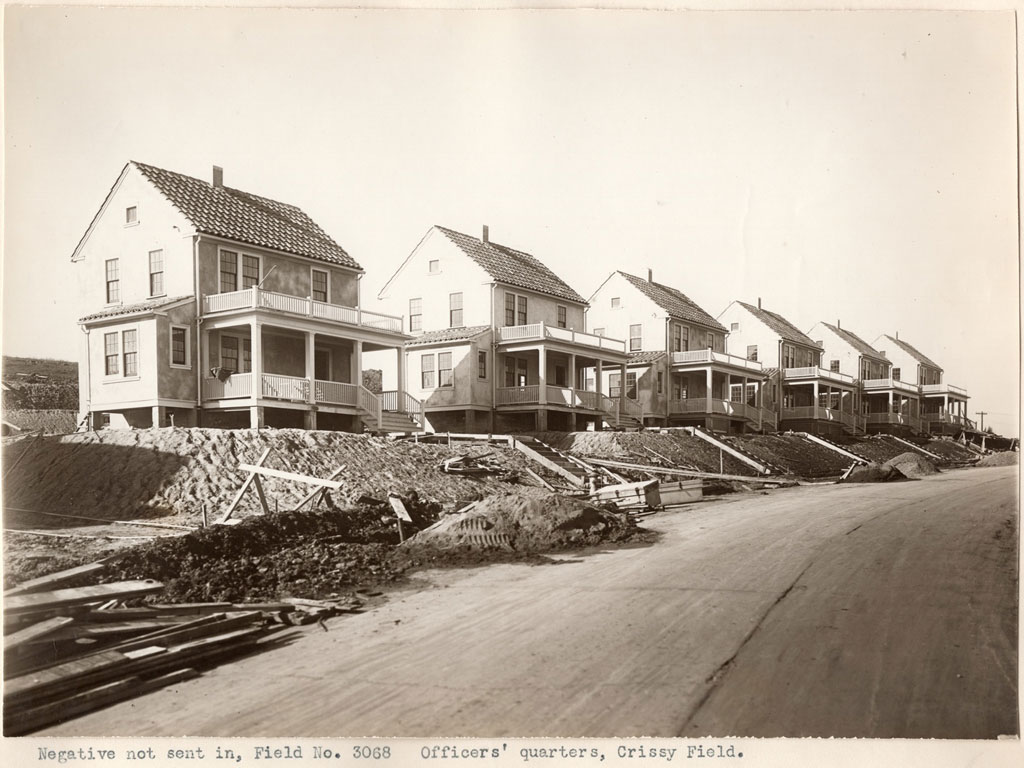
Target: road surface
852, 610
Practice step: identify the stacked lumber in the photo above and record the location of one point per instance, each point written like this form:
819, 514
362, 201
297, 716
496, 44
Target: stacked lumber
485, 463
71, 649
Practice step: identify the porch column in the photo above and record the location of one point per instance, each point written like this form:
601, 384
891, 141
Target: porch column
402, 382
728, 387
310, 366
357, 362
814, 386
204, 351
158, 415
890, 401
710, 390
572, 374
256, 356
542, 375
598, 386
622, 384
945, 404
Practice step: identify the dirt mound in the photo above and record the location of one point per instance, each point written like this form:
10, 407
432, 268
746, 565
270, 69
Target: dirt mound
525, 521
173, 472
951, 450
912, 464
794, 454
874, 473
1004, 459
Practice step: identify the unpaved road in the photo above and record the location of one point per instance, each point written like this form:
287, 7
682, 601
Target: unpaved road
884, 610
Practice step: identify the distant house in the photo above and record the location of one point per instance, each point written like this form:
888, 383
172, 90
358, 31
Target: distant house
804, 395
213, 306
678, 368
499, 340
943, 407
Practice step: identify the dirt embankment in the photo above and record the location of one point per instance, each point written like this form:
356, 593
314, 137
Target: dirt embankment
1004, 459
795, 454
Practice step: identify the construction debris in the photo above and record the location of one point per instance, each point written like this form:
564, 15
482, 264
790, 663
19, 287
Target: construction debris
874, 473
912, 464
1001, 459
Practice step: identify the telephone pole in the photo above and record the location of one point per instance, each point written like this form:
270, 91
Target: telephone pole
982, 415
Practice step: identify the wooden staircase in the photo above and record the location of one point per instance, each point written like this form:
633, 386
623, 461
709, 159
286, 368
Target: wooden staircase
569, 467
387, 413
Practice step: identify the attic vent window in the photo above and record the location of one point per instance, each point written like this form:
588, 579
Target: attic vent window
433, 266
131, 215
734, 326
616, 302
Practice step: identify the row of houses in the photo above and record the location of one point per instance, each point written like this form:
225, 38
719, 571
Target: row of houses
212, 306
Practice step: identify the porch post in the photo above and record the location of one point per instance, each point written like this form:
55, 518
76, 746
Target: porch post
814, 385
542, 375
357, 362
598, 386
401, 384
890, 401
710, 390
256, 357
622, 386
310, 366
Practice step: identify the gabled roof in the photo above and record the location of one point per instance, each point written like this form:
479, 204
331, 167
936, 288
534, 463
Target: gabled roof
856, 342
448, 335
142, 307
243, 217
780, 325
912, 351
644, 358
674, 302
507, 265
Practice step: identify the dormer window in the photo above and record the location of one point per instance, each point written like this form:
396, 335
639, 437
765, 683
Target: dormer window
131, 215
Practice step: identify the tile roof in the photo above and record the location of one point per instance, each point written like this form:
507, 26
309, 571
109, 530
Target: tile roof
507, 265
675, 302
912, 351
448, 334
132, 309
780, 325
642, 358
855, 341
247, 218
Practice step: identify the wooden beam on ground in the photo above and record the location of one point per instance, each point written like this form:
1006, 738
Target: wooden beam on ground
684, 472
35, 631
41, 601
308, 479
320, 489
259, 492
54, 580
539, 479
244, 488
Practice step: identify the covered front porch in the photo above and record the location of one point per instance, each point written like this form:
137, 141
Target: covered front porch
944, 409
255, 365
718, 391
819, 401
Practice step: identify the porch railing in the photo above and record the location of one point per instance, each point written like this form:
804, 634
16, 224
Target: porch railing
540, 331
705, 356
257, 298
816, 372
517, 395
940, 389
819, 413
371, 406
285, 387
235, 385
335, 392
890, 383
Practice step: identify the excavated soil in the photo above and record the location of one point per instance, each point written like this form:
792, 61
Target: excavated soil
794, 454
1004, 459
874, 473
879, 449
676, 449
912, 464
951, 451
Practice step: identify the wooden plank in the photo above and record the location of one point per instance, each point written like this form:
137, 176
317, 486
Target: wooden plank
41, 601
312, 494
54, 580
244, 488
262, 496
190, 609
539, 479
35, 632
333, 484
685, 472
399, 507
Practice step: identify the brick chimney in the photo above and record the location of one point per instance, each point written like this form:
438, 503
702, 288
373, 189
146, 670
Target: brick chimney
218, 176
758, 302
487, 235
839, 323
650, 275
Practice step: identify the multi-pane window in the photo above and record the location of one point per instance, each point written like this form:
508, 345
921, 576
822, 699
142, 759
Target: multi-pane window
228, 271
131, 214
481, 364
520, 310
156, 273
428, 373
250, 271
110, 358
130, 352
319, 285
788, 356
236, 354
510, 309
684, 338
562, 321
113, 273
752, 352
896, 374
444, 369
833, 365
515, 372
179, 346
415, 314
631, 385
636, 342
454, 310
677, 338
561, 377
614, 387
661, 382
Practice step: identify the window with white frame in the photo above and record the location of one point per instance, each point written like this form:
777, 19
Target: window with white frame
113, 278
156, 273
481, 364
896, 374
433, 266
515, 372
415, 314
250, 271
234, 265
616, 302
236, 354
445, 375
677, 338
562, 319
515, 309
636, 341
455, 310
685, 338
734, 326
320, 280
131, 215
833, 366
130, 352
788, 356
752, 352
428, 372
110, 354
520, 310
180, 352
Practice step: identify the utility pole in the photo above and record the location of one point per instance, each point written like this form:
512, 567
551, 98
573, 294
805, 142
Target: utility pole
982, 414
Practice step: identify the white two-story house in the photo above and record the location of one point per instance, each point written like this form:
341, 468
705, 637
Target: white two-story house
805, 396
678, 369
206, 305
499, 341
936, 407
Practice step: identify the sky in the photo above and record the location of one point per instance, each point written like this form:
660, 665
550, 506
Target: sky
859, 167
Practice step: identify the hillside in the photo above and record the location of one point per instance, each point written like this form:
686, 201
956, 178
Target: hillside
40, 384
55, 370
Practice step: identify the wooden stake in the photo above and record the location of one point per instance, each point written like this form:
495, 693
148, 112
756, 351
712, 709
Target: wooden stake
259, 492
205, 522
245, 487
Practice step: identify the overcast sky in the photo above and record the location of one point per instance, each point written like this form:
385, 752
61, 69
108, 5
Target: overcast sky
854, 166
